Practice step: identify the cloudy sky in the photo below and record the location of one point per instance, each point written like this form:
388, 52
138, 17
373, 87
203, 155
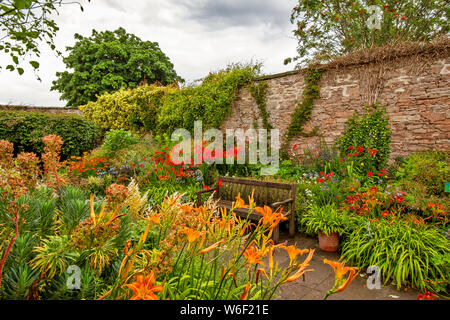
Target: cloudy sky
198, 36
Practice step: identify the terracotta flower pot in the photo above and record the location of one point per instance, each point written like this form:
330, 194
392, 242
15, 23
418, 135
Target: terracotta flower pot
329, 243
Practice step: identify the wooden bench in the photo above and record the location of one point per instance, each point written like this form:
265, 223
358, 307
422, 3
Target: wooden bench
272, 194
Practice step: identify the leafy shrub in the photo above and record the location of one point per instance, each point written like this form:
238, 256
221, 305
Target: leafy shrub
154, 108
326, 219
430, 169
118, 139
26, 130
369, 130
405, 253
134, 109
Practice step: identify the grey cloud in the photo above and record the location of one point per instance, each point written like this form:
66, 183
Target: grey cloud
219, 14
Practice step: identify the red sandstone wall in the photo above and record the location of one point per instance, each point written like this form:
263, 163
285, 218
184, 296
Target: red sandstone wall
415, 91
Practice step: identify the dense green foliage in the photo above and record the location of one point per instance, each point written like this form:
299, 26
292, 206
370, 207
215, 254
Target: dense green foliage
404, 253
430, 169
370, 130
160, 109
108, 61
25, 25
326, 219
26, 129
323, 29
116, 140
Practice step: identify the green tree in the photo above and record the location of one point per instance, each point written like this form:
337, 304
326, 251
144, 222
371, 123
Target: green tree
327, 28
108, 61
24, 25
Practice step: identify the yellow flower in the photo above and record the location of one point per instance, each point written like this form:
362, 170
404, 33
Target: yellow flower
362, 164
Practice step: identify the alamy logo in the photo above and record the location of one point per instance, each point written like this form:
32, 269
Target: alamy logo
374, 281
257, 141
74, 280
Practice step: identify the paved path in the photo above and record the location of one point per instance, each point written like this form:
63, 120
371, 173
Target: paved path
321, 279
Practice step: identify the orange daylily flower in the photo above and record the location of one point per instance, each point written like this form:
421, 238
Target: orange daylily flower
251, 199
339, 271
239, 202
246, 291
156, 219
254, 256
212, 247
293, 252
270, 218
191, 234
301, 268
143, 288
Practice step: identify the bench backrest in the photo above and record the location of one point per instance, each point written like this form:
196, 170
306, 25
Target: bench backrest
265, 192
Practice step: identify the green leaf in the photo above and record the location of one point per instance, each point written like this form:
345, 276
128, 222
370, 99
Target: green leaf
20, 71
35, 64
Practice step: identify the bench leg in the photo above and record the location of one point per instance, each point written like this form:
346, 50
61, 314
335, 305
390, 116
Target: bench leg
292, 225
276, 234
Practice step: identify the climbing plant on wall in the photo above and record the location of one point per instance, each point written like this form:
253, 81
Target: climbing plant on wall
259, 93
303, 110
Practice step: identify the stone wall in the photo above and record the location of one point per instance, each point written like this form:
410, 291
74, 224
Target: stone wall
52, 110
415, 90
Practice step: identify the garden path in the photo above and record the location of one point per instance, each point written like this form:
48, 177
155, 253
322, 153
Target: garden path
321, 279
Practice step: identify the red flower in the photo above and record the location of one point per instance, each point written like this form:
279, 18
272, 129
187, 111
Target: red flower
205, 187
219, 183
320, 180
341, 160
360, 149
321, 173
349, 155
355, 154
350, 148
370, 173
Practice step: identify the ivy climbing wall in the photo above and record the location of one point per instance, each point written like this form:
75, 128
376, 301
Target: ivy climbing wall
415, 89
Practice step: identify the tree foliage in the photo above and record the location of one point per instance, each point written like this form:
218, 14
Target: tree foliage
326, 28
162, 109
24, 25
108, 61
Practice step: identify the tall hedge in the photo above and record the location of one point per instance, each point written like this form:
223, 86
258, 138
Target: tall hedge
26, 129
161, 109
